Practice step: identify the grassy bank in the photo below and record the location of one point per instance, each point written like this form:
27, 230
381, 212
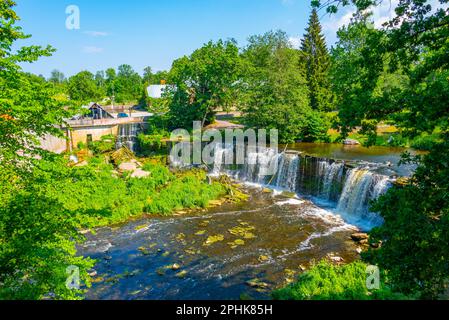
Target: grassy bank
103, 196
326, 281
390, 136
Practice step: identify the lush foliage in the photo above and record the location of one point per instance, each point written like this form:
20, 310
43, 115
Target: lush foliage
35, 232
83, 88
204, 81
317, 62
325, 281
416, 228
276, 92
400, 73
100, 197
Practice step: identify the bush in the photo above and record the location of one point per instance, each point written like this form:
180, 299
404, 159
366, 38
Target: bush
101, 198
105, 144
424, 142
326, 281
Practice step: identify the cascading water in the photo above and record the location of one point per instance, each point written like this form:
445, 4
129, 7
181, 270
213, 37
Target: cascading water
348, 190
332, 174
127, 135
287, 172
362, 186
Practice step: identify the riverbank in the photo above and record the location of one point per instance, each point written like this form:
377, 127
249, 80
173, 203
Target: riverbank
113, 193
236, 250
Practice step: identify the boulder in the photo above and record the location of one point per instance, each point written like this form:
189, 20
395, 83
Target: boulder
359, 236
350, 142
139, 173
128, 166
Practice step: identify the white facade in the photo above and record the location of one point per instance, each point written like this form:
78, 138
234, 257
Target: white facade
155, 91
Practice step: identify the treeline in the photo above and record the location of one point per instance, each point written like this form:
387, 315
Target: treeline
123, 85
273, 84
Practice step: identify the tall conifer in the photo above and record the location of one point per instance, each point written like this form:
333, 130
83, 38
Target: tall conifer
317, 61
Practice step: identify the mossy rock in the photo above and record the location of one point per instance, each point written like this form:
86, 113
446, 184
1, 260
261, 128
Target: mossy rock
213, 239
141, 227
288, 194
243, 231
204, 223
181, 274
236, 243
257, 283
144, 251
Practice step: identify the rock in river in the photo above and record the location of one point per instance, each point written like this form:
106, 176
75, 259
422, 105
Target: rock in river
359, 236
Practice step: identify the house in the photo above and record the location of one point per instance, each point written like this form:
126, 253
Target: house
97, 112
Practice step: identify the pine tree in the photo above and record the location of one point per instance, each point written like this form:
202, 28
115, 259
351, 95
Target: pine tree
317, 60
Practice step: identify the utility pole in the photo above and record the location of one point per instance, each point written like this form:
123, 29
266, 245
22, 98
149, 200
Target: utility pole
113, 95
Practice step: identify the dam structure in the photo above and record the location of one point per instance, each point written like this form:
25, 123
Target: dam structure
125, 123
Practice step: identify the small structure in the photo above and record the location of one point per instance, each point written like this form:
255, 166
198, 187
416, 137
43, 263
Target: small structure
97, 112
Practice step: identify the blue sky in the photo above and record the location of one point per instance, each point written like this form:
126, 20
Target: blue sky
154, 33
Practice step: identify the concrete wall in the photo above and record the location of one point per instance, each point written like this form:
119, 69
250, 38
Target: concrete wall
54, 144
80, 134
75, 136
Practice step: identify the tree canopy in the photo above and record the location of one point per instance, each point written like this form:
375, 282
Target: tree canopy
276, 92
203, 82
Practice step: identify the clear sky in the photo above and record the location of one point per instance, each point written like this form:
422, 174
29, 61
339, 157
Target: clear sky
154, 33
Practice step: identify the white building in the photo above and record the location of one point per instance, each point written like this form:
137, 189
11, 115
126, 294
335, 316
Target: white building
156, 90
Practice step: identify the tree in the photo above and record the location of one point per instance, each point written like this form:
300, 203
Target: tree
204, 82
100, 81
147, 75
57, 77
83, 88
127, 84
317, 61
35, 234
276, 93
414, 235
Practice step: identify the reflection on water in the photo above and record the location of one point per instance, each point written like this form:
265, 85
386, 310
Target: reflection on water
374, 154
217, 254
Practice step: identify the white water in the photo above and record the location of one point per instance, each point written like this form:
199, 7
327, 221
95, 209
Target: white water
348, 191
127, 135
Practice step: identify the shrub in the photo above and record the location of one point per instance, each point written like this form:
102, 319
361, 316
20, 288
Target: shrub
325, 281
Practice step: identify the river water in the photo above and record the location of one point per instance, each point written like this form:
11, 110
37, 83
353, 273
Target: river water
244, 250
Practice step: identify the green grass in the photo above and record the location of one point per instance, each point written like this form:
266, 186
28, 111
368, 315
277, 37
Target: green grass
391, 138
326, 281
105, 198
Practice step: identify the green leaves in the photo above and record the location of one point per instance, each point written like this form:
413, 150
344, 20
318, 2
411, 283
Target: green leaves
317, 63
83, 88
275, 91
206, 80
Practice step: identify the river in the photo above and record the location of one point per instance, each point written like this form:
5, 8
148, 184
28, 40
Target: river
245, 250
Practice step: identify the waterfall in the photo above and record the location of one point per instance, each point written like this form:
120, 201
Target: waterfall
362, 186
331, 175
344, 189
127, 135
287, 172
